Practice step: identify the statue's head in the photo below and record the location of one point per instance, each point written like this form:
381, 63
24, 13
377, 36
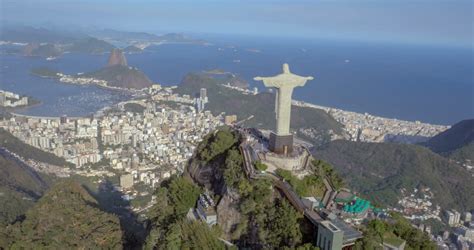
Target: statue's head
286, 68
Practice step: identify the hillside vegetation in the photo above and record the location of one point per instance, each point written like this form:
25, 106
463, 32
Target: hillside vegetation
20, 187
395, 231
169, 228
66, 217
383, 169
456, 143
261, 106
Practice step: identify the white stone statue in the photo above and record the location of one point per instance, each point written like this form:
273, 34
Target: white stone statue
284, 82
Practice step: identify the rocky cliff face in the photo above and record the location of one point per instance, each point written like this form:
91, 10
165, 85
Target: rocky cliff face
117, 58
211, 177
208, 175
228, 215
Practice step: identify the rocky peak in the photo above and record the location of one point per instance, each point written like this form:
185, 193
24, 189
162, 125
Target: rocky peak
117, 58
29, 49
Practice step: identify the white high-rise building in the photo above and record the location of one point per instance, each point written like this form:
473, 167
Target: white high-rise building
467, 217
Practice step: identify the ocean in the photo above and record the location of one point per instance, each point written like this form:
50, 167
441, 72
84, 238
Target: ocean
410, 82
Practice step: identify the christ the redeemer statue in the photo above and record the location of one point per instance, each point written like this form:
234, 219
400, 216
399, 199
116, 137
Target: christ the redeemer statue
282, 141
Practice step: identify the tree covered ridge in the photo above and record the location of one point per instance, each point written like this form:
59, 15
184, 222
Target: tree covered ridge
67, 216
455, 143
386, 168
459, 135
20, 187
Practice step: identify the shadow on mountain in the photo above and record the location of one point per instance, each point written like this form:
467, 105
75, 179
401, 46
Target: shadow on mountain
111, 201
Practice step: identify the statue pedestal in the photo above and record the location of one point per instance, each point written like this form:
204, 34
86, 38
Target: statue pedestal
296, 162
281, 144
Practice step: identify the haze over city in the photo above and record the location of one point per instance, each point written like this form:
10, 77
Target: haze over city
409, 21
308, 125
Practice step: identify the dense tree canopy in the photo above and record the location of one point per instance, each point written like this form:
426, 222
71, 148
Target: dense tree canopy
378, 231
169, 228
182, 194
282, 225
310, 185
65, 217
216, 144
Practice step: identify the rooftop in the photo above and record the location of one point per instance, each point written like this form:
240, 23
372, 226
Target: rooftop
350, 234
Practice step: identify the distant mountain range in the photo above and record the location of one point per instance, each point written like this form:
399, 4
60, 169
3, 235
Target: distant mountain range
28, 34
140, 37
53, 43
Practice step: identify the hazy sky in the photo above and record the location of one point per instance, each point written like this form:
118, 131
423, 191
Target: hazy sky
415, 21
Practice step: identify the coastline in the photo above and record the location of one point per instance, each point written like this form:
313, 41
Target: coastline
58, 79
358, 126
10, 109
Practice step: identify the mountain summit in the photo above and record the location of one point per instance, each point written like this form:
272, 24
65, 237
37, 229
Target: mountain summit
117, 58
118, 74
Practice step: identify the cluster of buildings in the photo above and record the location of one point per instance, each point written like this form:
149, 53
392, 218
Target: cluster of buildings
461, 235
158, 136
453, 217
59, 171
418, 205
369, 128
140, 147
150, 177
167, 95
74, 139
80, 80
244, 91
11, 100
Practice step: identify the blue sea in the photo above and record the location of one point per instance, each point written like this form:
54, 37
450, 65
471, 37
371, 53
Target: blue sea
410, 82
